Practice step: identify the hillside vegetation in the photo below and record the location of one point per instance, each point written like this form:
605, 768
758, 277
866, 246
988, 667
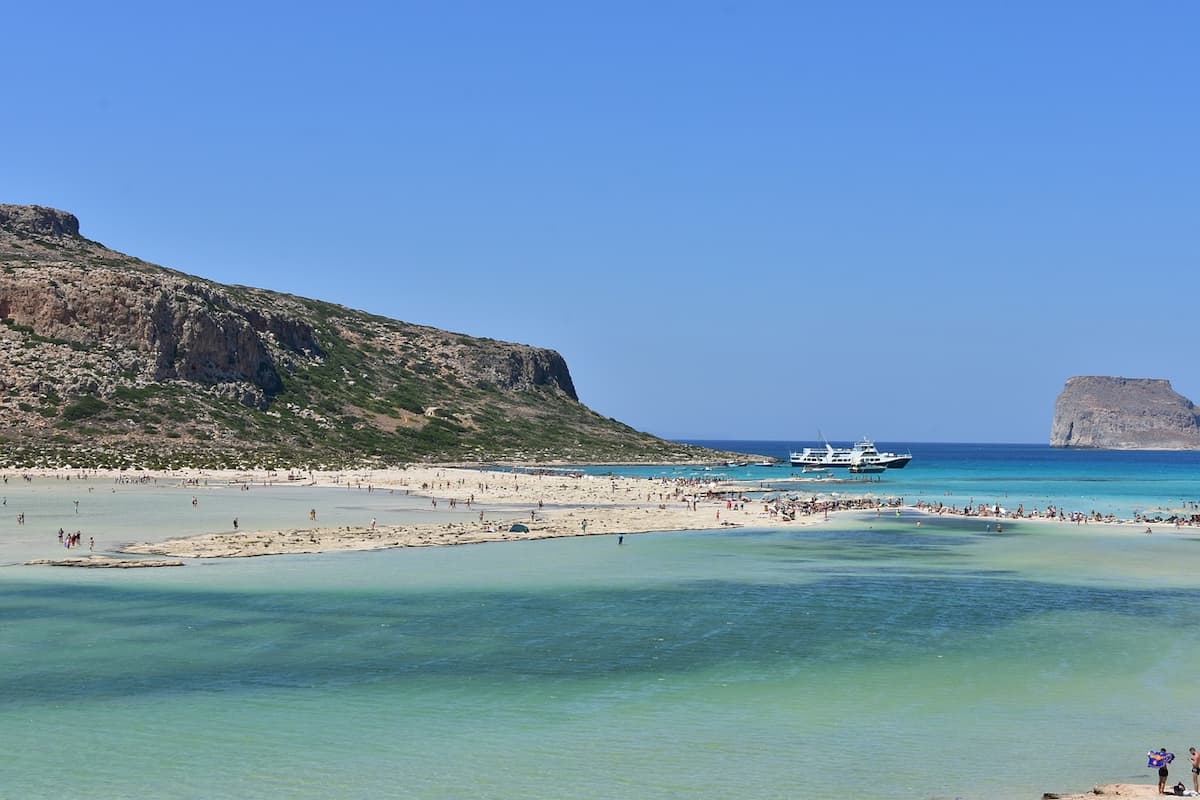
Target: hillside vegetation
109, 361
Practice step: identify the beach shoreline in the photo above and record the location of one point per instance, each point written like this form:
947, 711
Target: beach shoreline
483, 505
1130, 791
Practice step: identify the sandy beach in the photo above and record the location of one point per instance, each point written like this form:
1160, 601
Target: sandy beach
1129, 791
486, 504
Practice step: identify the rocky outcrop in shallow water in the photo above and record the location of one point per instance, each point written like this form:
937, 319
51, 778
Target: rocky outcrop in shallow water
104, 562
1124, 414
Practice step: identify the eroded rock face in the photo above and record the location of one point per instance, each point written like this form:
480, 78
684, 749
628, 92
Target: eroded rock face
1124, 414
184, 329
38, 221
520, 367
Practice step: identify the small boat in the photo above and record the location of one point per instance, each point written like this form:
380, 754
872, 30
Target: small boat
863, 468
765, 463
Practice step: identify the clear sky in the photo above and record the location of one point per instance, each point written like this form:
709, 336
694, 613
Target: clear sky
911, 220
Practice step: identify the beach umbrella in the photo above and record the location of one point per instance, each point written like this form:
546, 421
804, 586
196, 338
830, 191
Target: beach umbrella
1159, 758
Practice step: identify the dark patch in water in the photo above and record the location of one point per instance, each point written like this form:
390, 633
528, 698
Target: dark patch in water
311, 639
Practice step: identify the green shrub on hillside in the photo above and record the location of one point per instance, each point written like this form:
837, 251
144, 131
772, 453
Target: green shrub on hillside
83, 408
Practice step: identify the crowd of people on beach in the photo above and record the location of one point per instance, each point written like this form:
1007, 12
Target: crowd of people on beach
1051, 512
789, 509
973, 509
136, 480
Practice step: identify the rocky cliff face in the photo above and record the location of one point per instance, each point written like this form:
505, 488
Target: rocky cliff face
162, 327
103, 352
1124, 414
25, 221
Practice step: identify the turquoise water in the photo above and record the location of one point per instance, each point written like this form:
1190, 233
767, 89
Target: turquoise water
1006, 474
869, 656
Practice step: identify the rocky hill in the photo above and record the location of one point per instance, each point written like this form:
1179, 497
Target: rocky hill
1124, 414
106, 360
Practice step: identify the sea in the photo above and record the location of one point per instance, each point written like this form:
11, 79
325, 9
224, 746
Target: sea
868, 656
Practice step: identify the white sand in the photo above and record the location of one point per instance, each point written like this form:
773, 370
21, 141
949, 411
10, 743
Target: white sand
570, 506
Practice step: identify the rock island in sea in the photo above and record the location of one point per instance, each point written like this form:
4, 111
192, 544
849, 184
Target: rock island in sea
1124, 414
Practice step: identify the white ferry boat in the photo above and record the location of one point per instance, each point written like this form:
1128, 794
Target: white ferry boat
863, 452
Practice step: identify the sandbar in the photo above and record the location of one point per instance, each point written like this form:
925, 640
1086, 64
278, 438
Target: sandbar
472, 505
487, 505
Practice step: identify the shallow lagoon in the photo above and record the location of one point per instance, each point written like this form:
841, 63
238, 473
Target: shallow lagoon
868, 656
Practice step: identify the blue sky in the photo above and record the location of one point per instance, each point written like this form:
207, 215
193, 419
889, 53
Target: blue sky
735, 220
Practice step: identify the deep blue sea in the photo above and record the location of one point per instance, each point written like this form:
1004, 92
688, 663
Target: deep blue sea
870, 656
